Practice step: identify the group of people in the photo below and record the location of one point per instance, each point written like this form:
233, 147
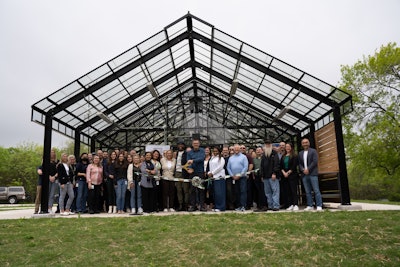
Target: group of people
188, 179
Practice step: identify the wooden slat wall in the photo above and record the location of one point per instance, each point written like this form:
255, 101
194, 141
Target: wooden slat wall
325, 144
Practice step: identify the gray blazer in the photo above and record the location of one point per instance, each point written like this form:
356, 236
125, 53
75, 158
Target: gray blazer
312, 161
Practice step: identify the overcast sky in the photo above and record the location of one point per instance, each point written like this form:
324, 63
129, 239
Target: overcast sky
47, 44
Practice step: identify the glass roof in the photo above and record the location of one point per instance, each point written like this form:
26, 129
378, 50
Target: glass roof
178, 82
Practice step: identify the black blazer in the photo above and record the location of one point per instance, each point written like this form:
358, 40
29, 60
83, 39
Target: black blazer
63, 177
312, 161
293, 164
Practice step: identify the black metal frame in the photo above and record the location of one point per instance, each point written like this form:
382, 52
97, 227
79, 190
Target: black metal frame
190, 58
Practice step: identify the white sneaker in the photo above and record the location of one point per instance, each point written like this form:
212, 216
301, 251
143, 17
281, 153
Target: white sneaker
71, 213
295, 208
65, 213
308, 208
140, 210
217, 210
165, 210
172, 210
319, 208
290, 208
128, 210
110, 210
133, 211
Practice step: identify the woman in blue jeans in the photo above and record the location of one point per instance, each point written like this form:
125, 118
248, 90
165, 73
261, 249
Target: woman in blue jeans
216, 170
134, 185
120, 169
81, 168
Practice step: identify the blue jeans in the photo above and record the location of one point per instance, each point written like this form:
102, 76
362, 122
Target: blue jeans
81, 196
241, 192
133, 196
272, 189
122, 184
68, 189
53, 187
311, 182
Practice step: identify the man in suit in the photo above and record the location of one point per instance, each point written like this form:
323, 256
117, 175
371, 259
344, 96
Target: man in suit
308, 164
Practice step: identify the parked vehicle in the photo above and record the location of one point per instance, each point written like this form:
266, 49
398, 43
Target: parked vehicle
12, 194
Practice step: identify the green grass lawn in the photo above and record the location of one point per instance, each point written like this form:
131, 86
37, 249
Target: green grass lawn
362, 238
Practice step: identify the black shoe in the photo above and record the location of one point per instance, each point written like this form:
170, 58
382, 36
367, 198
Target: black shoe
191, 209
263, 209
91, 211
275, 209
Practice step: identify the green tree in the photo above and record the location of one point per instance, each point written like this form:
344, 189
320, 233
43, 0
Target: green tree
372, 131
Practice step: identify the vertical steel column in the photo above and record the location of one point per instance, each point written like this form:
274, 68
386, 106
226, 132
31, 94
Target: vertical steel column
92, 144
298, 142
312, 137
343, 178
77, 144
46, 160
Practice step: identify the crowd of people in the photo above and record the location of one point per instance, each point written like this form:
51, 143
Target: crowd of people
231, 178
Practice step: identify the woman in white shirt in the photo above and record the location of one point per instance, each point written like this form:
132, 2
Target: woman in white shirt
168, 166
216, 170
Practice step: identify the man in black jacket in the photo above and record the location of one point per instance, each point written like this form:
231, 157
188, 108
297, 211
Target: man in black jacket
269, 174
182, 189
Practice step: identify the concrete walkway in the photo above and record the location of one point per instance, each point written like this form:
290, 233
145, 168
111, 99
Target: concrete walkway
28, 213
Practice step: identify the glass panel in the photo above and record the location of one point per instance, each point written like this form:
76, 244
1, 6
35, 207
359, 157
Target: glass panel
155, 65
202, 75
273, 90
44, 105
134, 80
183, 76
224, 64
180, 53
95, 75
110, 93
144, 99
227, 40
315, 85
167, 85
66, 92
202, 53
256, 55
176, 29
153, 42
221, 84
202, 28
286, 70
125, 110
338, 95
289, 119
249, 76
243, 96
38, 117
124, 59
267, 108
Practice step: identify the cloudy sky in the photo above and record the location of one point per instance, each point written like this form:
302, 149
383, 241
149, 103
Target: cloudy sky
47, 44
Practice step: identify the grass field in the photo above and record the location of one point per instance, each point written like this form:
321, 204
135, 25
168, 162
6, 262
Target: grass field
362, 238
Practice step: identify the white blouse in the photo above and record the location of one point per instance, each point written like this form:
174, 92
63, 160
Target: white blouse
217, 166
